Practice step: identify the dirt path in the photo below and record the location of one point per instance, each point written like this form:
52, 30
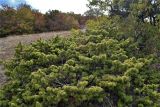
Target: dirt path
8, 44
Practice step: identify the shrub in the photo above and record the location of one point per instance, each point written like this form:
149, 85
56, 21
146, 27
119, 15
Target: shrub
79, 71
25, 20
57, 21
7, 21
39, 22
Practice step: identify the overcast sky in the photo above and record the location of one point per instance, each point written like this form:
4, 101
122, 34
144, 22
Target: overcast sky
76, 6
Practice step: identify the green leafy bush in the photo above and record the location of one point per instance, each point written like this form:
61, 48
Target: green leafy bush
144, 35
79, 71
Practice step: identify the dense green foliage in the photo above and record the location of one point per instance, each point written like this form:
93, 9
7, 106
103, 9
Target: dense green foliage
115, 63
138, 19
142, 8
144, 35
80, 71
25, 20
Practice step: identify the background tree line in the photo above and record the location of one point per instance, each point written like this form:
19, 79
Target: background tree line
25, 20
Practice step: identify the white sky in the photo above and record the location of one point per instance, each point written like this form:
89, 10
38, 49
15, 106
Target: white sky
76, 6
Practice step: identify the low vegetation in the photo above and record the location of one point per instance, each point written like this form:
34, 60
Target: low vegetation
115, 63
82, 70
